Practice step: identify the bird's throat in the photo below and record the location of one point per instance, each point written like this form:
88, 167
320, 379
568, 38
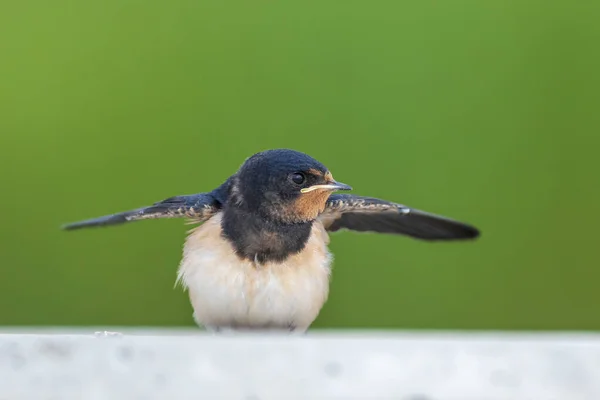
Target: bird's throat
262, 240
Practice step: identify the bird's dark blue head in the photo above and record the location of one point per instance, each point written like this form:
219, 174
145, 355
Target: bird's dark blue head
284, 185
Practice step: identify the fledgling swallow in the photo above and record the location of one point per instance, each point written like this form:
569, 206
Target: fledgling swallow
260, 258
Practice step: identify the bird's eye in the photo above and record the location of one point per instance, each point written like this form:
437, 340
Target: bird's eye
298, 178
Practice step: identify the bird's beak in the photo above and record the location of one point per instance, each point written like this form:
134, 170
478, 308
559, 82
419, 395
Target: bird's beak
333, 186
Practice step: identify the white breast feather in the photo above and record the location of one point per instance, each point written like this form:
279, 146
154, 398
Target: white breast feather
227, 292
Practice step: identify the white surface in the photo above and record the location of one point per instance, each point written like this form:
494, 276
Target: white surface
320, 365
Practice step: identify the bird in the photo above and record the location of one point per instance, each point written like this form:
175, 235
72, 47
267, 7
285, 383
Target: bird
258, 258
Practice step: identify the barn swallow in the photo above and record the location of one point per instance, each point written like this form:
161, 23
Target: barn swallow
259, 258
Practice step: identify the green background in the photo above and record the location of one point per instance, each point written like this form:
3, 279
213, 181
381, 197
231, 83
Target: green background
483, 111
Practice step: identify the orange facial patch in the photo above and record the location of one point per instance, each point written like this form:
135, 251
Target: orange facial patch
327, 176
309, 205
315, 172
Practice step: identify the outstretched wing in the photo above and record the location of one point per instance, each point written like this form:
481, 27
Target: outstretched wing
199, 207
367, 214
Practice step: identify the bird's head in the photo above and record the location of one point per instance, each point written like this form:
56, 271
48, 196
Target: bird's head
284, 185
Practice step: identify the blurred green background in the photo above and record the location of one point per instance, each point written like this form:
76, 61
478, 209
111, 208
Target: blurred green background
483, 111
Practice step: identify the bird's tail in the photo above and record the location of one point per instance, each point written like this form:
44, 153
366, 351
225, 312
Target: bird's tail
191, 206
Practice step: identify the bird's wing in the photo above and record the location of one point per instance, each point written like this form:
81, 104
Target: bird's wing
368, 214
198, 207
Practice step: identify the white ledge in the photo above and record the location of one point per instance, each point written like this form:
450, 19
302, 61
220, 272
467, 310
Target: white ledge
169, 364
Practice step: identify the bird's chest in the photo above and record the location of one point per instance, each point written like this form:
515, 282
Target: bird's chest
229, 292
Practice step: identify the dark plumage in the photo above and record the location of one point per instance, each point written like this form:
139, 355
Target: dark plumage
270, 204
368, 214
198, 206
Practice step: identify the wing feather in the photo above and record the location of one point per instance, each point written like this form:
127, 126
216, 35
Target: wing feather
369, 214
198, 207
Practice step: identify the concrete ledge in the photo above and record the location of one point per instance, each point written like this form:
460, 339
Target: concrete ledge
321, 365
